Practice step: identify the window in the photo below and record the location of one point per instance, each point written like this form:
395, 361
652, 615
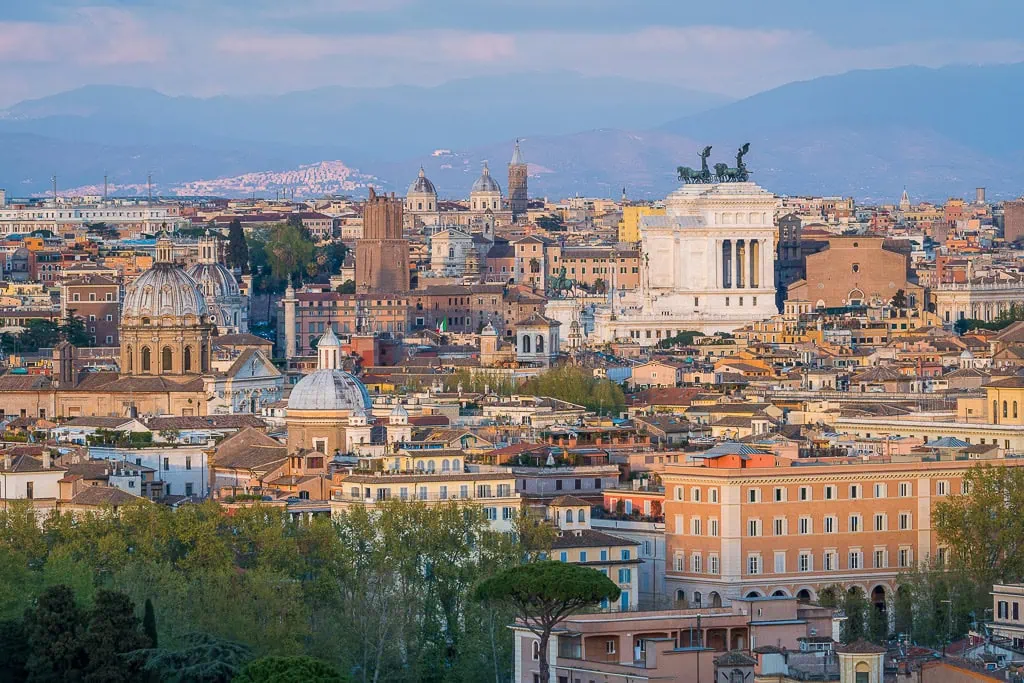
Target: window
880, 560
805, 493
753, 564
609, 646
754, 495
624, 554
880, 522
753, 527
30, 489
830, 492
779, 525
563, 556
188, 488
625, 575
854, 523
854, 491
830, 525
779, 494
805, 525
780, 562
679, 563
906, 556
167, 464
695, 526
713, 527
941, 488
695, 495
188, 462
604, 555
880, 490
905, 489
696, 563
713, 564
713, 495
679, 493
830, 561
855, 559
905, 521
804, 562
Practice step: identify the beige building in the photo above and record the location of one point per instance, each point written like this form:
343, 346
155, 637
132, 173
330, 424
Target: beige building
739, 531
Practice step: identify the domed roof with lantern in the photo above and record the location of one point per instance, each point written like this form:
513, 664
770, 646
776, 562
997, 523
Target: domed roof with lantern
164, 290
329, 387
486, 183
422, 184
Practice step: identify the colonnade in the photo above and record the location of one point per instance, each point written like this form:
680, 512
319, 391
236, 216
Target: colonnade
742, 264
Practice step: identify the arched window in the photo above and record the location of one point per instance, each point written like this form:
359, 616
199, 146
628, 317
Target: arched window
166, 359
540, 344
188, 359
145, 359
568, 516
995, 411
1015, 409
697, 598
419, 465
130, 360
1004, 408
451, 252
445, 465
582, 516
456, 466
526, 343
430, 466
203, 362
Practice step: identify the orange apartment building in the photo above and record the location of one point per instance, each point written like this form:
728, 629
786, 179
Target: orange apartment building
753, 525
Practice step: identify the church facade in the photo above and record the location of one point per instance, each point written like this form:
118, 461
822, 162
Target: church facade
708, 265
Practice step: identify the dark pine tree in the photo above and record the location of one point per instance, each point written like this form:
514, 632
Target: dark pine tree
112, 630
53, 629
149, 623
238, 248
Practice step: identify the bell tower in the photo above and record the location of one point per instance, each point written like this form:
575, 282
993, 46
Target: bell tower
517, 192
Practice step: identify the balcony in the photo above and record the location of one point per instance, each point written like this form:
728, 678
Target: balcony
428, 498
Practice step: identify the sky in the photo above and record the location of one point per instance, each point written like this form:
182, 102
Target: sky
248, 47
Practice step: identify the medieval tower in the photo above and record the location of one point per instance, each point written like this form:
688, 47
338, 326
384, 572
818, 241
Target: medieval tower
517, 195
382, 255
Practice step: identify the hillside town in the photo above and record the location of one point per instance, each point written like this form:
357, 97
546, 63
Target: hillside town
757, 415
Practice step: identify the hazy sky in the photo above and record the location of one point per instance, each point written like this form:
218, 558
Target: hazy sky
737, 47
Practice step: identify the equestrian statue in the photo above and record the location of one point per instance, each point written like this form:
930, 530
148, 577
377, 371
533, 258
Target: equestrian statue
723, 172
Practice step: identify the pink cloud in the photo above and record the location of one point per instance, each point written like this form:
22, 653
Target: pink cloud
95, 36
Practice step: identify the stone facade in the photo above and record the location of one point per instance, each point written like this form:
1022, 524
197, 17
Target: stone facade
708, 265
382, 255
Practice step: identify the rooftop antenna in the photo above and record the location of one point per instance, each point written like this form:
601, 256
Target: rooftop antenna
149, 185
104, 187
54, 180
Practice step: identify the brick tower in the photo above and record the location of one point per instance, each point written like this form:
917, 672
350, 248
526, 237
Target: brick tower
517, 196
382, 255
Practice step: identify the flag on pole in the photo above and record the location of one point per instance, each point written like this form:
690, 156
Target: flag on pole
442, 326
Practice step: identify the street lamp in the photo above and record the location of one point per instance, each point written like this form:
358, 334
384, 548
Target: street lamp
949, 626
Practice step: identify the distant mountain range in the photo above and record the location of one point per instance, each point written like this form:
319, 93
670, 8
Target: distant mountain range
940, 132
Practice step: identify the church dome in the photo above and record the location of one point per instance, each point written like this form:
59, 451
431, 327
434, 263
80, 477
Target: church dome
399, 415
329, 389
164, 290
422, 185
214, 279
485, 183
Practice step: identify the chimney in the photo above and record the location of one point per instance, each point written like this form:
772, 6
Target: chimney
47, 463
7, 461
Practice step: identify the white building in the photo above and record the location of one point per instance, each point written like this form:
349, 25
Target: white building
185, 470
709, 266
23, 477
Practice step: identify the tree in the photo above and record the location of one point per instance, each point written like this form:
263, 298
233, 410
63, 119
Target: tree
347, 287
112, 630
301, 669
39, 333
684, 338
926, 598
544, 594
899, 300
202, 658
578, 385
53, 629
13, 648
855, 605
73, 330
238, 248
289, 252
551, 223
149, 623
984, 527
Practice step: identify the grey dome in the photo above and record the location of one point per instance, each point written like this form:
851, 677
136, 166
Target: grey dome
329, 390
485, 183
164, 290
422, 185
214, 279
